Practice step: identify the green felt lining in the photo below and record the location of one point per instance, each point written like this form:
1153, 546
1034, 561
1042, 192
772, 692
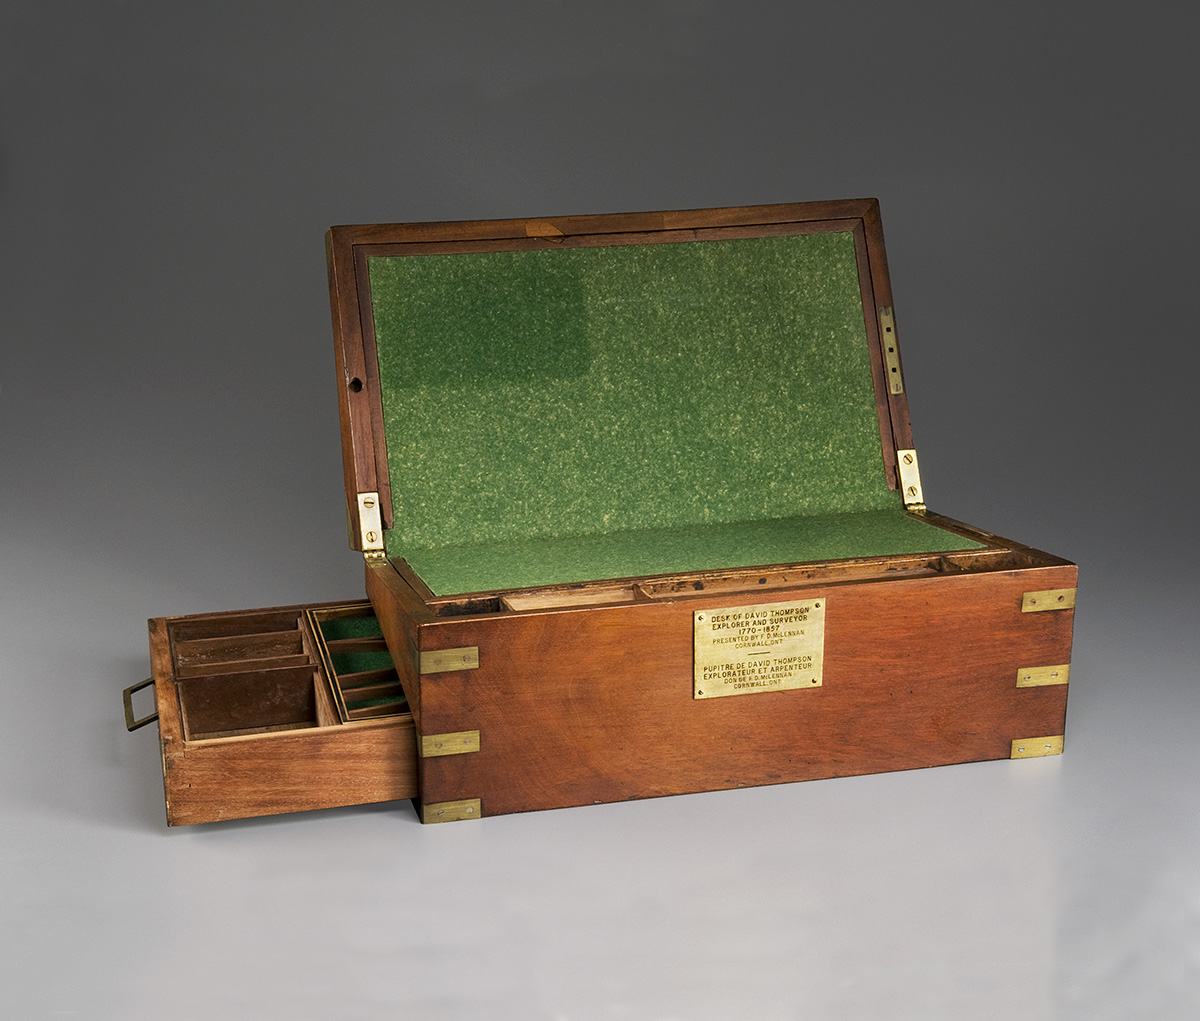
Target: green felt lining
335, 628
356, 662
639, 552
588, 413
368, 626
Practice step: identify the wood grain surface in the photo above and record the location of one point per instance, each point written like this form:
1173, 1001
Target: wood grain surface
584, 705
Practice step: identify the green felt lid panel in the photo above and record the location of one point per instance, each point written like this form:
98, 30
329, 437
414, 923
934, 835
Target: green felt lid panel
600, 412
485, 567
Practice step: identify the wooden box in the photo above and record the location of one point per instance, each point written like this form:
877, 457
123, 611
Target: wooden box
641, 514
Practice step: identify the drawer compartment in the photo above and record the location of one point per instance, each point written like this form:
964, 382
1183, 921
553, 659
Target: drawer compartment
254, 721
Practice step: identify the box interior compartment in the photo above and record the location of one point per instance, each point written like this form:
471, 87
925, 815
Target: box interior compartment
620, 409
999, 555
355, 656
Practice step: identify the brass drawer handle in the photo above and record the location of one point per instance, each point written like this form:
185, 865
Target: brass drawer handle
127, 695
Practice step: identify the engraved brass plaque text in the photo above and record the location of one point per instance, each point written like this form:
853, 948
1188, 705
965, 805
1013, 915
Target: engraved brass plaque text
746, 650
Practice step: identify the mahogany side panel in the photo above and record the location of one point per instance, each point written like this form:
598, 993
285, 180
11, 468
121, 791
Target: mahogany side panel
289, 771
897, 404
371, 385
581, 706
354, 405
600, 223
610, 240
879, 372
401, 613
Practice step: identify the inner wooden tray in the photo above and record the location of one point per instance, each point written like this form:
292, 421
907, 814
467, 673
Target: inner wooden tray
354, 656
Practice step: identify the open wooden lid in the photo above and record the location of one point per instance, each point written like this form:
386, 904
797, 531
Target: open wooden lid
504, 380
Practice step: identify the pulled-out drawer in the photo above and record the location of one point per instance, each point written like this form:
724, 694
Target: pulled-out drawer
277, 710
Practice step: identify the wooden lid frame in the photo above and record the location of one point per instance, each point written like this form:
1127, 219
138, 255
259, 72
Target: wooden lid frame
364, 452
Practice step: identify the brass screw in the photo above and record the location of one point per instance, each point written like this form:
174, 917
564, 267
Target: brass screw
908, 459
912, 490
369, 502
372, 536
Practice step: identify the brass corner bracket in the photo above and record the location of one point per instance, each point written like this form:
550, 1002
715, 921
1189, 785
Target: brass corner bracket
458, 743
1048, 599
452, 811
1036, 747
1039, 676
440, 661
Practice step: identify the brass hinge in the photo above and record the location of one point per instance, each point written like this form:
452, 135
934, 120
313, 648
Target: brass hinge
910, 480
891, 357
370, 526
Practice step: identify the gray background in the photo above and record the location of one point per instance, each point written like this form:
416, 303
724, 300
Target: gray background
169, 445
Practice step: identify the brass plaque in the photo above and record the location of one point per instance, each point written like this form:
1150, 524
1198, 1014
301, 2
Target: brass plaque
746, 650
